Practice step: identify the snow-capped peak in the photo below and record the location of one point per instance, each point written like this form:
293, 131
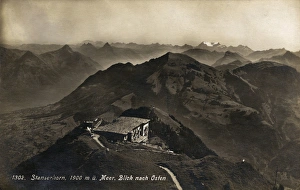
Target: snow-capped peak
211, 43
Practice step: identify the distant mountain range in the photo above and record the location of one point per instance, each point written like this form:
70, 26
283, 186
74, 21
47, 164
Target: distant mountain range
230, 57
204, 56
113, 53
30, 80
54, 67
297, 53
108, 55
39, 48
216, 46
288, 58
239, 109
257, 55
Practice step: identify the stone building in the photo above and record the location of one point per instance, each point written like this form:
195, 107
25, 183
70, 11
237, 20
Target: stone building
131, 129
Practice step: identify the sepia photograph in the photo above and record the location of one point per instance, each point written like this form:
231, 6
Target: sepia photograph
150, 94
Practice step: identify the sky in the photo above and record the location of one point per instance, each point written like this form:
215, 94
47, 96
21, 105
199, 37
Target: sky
259, 24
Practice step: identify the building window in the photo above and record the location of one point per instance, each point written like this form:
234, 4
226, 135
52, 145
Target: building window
141, 131
145, 130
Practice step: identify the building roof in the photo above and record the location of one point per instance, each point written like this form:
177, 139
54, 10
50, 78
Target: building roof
122, 125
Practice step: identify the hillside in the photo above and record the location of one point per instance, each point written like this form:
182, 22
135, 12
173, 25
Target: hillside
69, 62
28, 72
229, 108
230, 66
8, 56
76, 153
280, 89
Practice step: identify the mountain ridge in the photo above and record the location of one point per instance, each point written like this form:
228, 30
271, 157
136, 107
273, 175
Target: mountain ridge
288, 58
204, 56
230, 57
252, 110
29, 79
216, 46
234, 102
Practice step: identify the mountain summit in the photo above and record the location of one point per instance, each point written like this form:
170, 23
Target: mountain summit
230, 57
109, 55
88, 45
66, 48
30, 59
204, 56
107, 47
33, 80
210, 44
